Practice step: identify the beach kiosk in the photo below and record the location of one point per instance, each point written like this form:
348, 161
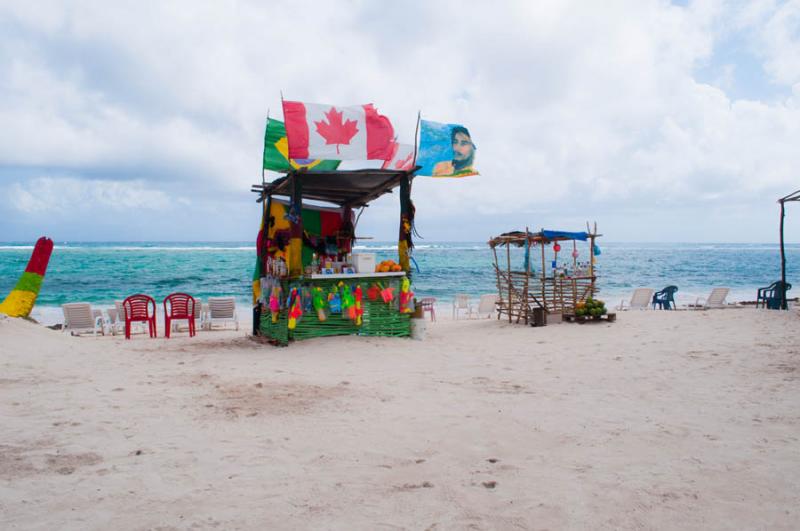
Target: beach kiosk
552, 277
309, 282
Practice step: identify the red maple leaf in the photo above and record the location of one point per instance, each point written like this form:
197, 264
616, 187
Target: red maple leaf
403, 163
336, 132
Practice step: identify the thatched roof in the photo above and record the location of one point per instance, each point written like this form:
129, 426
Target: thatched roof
518, 238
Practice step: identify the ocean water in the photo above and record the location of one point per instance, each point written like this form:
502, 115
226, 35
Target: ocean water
99, 273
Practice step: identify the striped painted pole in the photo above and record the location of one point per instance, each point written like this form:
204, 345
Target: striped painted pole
20, 301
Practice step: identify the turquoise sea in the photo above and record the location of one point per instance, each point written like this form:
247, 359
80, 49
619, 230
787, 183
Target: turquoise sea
102, 272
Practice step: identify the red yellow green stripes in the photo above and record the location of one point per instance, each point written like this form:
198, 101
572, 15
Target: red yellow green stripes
20, 301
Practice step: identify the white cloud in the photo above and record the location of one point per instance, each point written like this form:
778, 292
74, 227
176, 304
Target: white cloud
65, 195
578, 109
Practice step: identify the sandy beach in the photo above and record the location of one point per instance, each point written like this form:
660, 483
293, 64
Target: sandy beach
662, 420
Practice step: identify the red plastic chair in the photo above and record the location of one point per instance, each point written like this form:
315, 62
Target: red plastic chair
137, 309
428, 305
181, 306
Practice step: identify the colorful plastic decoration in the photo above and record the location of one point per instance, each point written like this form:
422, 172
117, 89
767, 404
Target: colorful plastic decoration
596, 250
295, 309
373, 292
308, 301
334, 300
358, 309
275, 303
556, 247
348, 303
387, 294
319, 304
406, 296
21, 299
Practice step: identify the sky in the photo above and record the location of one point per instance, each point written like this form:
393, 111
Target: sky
659, 121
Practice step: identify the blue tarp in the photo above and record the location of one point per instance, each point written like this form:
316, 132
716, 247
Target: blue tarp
553, 234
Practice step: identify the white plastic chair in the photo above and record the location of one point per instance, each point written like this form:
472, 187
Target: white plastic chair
118, 323
640, 300
114, 322
487, 305
461, 303
80, 318
221, 310
716, 299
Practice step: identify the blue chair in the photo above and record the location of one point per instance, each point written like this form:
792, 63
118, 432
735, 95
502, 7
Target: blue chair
771, 296
665, 299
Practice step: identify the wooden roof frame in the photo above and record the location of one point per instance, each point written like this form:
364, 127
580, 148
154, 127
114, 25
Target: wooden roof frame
345, 188
518, 238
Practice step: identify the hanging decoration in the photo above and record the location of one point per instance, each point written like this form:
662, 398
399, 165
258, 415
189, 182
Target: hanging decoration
275, 303
406, 296
319, 304
295, 309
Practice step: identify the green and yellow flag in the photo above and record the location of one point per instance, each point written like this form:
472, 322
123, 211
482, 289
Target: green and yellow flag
276, 150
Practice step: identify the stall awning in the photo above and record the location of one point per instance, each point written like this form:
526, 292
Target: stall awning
563, 235
354, 188
518, 238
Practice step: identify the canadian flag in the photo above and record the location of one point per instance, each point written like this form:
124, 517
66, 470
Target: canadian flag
319, 131
402, 157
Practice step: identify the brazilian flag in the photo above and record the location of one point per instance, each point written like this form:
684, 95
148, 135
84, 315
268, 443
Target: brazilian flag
276, 149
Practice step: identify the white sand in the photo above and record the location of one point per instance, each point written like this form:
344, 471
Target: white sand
669, 420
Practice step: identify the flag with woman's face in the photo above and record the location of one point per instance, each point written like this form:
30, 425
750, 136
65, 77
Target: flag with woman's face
445, 150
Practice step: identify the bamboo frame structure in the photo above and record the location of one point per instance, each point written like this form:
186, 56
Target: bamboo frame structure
522, 291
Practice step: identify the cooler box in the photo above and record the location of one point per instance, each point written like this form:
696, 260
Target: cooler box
364, 262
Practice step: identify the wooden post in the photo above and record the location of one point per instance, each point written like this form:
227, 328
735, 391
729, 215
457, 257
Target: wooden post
784, 305
591, 261
544, 278
497, 275
296, 229
508, 263
405, 223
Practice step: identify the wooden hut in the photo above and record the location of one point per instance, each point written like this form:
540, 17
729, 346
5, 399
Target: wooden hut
545, 281
305, 258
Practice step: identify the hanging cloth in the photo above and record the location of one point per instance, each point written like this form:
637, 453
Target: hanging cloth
527, 264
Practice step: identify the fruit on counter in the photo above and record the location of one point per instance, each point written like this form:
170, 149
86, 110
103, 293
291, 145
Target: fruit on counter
388, 266
590, 307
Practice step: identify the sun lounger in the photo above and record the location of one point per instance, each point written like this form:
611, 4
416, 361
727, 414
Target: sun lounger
640, 300
221, 310
79, 317
487, 305
715, 300
199, 319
